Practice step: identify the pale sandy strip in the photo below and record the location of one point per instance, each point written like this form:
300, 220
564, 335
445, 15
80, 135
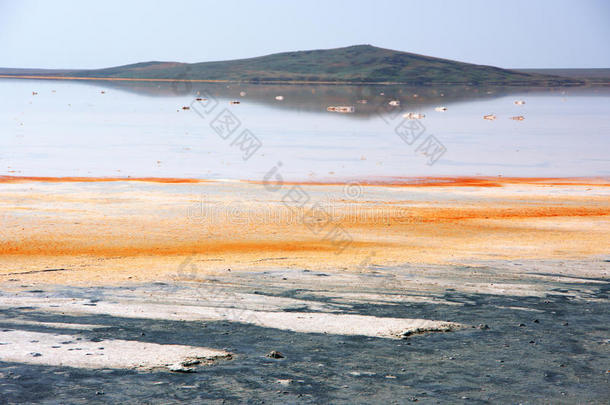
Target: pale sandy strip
58, 325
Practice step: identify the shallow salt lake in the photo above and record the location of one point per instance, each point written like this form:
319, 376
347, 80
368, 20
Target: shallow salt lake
71, 128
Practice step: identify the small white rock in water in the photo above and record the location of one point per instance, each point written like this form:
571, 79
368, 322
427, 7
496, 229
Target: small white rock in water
394, 103
440, 109
242, 93
341, 108
359, 373
414, 116
284, 381
279, 98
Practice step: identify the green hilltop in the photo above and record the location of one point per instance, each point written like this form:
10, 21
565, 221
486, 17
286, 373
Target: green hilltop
354, 64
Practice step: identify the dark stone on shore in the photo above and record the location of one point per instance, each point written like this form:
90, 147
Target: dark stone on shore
275, 355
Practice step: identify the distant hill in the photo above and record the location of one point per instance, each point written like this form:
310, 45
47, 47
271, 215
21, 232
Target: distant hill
18, 71
353, 64
593, 75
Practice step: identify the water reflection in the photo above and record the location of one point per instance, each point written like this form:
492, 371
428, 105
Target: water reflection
367, 100
107, 128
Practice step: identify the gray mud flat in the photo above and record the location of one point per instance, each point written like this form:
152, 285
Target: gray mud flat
552, 347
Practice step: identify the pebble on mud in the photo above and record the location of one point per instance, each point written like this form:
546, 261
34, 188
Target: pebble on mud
275, 355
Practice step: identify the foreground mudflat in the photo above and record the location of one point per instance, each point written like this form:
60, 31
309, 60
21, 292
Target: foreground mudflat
548, 345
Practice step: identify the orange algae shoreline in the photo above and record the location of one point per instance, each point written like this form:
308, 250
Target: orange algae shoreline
71, 179
118, 233
428, 181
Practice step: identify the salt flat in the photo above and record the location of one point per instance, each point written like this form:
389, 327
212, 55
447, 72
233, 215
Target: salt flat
396, 285
126, 231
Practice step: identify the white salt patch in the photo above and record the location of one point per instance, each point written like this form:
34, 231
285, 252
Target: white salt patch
304, 322
64, 350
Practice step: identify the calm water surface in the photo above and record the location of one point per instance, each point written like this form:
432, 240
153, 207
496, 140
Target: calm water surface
73, 129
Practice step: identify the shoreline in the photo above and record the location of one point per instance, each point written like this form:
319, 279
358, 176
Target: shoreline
550, 83
386, 181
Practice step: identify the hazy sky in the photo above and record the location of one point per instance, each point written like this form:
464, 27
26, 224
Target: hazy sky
87, 34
